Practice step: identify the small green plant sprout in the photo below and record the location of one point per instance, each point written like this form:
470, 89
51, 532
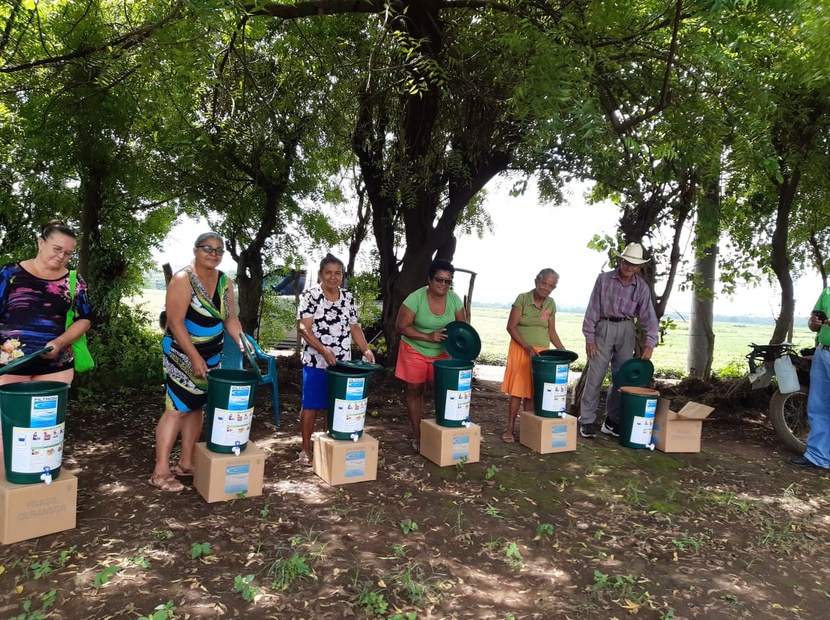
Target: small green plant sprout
687, 542
408, 615
491, 472
372, 601
542, 530
165, 611
199, 550
460, 467
492, 511
40, 569
46, 599
408, 525
243, 586
286, 570
66, 555
513, 555
265, 512
399, 551
104, 575
139, 560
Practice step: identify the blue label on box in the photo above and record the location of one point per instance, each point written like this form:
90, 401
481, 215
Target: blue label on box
356, 464
559, 436
460, 447
236, 478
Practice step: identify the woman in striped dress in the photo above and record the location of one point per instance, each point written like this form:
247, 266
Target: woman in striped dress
200, 308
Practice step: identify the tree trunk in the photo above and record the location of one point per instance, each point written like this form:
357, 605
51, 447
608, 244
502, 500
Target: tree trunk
701, 333
780, 260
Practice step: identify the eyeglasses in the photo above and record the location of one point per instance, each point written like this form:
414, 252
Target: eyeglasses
209, 249
57, 251
446, 281
633, 265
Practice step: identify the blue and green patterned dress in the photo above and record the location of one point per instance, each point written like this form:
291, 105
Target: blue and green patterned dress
204, 321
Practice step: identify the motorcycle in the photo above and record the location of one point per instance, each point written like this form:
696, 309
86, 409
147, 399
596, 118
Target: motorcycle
788, 409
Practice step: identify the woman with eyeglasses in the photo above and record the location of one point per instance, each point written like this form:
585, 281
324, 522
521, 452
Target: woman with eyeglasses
531, 325
421, 322
34, 300
200, 309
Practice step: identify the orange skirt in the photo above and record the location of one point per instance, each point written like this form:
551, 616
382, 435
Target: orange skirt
518, 380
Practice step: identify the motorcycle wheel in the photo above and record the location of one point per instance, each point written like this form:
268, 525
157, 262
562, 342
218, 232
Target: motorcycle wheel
788, 414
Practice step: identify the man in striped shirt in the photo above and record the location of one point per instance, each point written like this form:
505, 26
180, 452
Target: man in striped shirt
619, 297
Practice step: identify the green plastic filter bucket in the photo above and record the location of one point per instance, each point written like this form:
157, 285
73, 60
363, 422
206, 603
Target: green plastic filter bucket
453, 392
33, 423
348, 397
550, 382
230, 409
637, 408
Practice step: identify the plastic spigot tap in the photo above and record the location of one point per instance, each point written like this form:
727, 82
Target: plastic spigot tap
651, 446
468, 422
354, 436
562, 414
46, 476
236, 449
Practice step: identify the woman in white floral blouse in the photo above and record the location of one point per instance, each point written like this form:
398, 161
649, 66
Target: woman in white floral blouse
327, 322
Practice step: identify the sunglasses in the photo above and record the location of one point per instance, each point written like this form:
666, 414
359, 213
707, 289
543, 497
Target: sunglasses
446, 281
209, 249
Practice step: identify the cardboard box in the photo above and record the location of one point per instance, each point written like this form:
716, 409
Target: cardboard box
547, 435
342, 462
679, 431
32, 510
219, 477
444, 445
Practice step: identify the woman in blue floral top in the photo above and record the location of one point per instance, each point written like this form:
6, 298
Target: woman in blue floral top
34, 300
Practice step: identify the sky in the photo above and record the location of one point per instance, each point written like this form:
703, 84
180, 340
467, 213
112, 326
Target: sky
529, 236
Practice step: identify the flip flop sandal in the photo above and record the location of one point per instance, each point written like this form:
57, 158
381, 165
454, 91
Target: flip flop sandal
166, 483
303, 460
508, 438
178, 470
416, 446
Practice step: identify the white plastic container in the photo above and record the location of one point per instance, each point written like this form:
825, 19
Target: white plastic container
786, 374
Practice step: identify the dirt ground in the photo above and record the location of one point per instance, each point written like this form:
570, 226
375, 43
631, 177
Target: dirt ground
602, 532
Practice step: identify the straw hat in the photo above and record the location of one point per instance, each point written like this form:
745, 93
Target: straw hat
633, 253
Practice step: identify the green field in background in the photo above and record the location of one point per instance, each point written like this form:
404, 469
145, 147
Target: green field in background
731, 341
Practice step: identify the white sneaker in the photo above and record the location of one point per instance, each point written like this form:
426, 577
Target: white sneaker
610, 429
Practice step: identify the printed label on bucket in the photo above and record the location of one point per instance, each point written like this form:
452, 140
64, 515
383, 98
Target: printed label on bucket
460, 447
465, 380
554, 397
230, 427
44, 411
643, 427
355, 464
239, 398
236, 478
457, 405
349, 415
562, 373
36, 448
355, 387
